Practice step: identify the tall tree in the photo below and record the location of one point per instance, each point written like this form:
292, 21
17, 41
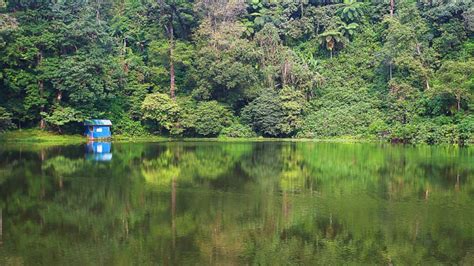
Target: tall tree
392, 7
456, 79
173, 13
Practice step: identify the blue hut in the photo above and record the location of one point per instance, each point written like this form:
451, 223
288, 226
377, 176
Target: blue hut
98, 128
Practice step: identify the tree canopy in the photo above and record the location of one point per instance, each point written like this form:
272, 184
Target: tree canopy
388, 69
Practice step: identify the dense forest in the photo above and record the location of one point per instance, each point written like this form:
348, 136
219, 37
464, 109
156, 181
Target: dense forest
390, 69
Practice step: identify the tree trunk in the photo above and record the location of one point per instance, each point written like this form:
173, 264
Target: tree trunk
390, 69
124, 52
41, 91
458, 99
302, 10
172, 75
392, 7
418, 51
285, 73
97, 12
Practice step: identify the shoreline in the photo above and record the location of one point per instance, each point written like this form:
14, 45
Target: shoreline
36, 136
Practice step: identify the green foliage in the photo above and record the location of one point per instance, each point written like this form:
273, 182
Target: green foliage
275, 114
225, 65
466, 129
352, 12
128, 127
160, 108
210, 118
282, 68
348, 30
339, 119
332, 40
457, 80
61, 116
159, 59
265, 114
5, 120
238, 130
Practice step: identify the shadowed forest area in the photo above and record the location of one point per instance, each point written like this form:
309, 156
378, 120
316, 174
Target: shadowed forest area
399, 70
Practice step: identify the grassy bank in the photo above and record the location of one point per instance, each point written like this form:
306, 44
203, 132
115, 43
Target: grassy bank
37, 136
42, 136
46, 137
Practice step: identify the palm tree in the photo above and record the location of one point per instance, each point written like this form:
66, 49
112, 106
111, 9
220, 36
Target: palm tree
348, 30
351, 12
331, 39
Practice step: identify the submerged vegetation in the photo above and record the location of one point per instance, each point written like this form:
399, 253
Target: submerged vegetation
395, 70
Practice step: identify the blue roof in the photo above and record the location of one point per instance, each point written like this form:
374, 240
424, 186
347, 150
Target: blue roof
97, 122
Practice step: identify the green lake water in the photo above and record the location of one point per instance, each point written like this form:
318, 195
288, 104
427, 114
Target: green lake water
265, 203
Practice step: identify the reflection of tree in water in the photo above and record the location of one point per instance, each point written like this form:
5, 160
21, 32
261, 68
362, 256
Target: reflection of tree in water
259, 203
189, 165
161, 171
61, 166
180, 167
88, 211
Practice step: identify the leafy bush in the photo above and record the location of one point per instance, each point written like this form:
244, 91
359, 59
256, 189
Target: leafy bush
265, 114
275, 114
128, 127
340, 113
378, 128
466, 129
210, 118
187, 118
5, 120
160, 108
62, 116
430, 133
403, 133
434, 131
237, 130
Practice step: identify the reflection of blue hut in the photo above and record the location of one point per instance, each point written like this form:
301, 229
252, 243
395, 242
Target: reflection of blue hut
99, 151
98, 128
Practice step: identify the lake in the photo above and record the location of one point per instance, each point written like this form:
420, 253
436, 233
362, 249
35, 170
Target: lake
235, 203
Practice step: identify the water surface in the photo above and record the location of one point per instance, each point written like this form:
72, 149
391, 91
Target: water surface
235, 203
